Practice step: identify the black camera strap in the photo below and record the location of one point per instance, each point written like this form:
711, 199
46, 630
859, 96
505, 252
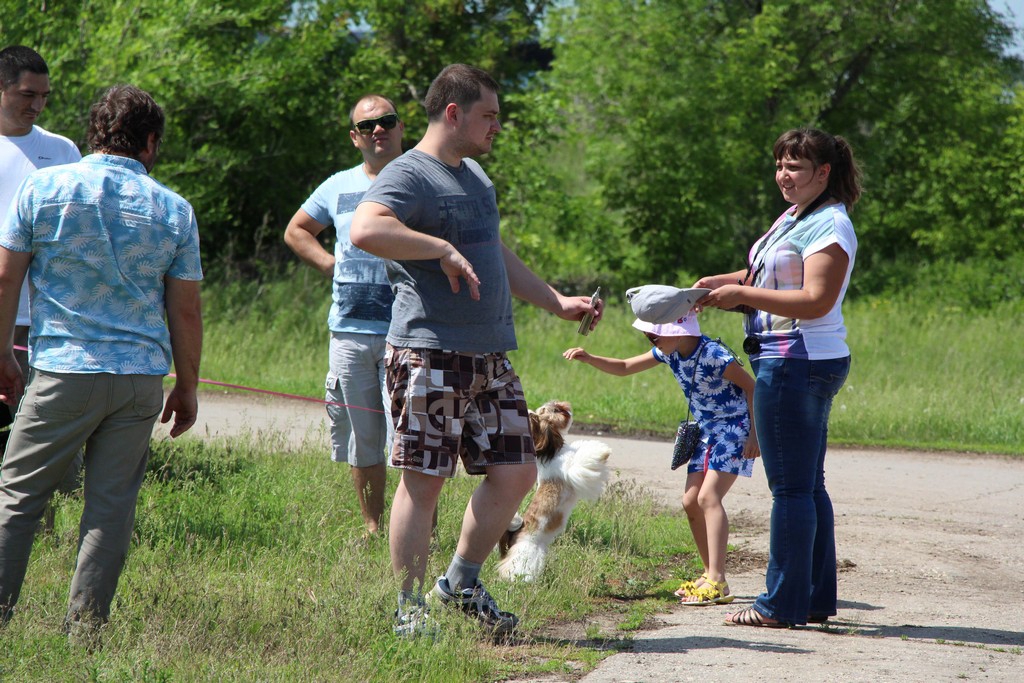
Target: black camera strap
729, 349
772, 240
752, 345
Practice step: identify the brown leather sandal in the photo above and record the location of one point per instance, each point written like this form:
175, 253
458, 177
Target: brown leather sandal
749, 616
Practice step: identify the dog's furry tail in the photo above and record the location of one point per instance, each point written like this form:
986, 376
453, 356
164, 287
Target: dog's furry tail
585, 467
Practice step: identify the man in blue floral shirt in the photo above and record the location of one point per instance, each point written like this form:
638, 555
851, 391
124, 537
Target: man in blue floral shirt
109, 253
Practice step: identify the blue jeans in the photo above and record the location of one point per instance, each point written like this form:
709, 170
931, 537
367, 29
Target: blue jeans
792, 401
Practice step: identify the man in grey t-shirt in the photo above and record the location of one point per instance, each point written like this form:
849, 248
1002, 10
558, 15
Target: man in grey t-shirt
454, 394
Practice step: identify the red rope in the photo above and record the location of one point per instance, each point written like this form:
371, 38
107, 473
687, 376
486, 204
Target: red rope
294, 397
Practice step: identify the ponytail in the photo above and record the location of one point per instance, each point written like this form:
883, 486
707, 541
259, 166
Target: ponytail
844, 182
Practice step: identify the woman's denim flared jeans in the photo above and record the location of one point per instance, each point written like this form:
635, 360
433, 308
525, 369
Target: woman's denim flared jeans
792, 401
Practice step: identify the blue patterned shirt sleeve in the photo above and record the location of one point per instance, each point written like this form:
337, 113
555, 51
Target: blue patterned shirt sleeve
15, 234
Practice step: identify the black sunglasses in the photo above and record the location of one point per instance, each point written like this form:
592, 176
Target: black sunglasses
387, 122
653, 338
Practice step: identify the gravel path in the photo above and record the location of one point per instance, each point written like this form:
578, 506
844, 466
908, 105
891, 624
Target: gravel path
930, 547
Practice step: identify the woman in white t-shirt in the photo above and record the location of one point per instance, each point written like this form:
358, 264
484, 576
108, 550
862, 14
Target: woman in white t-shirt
792, 294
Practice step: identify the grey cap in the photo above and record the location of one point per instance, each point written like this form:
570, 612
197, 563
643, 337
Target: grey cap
661, 304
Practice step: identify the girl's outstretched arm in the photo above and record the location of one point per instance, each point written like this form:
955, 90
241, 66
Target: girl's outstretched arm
613, 366
738, 376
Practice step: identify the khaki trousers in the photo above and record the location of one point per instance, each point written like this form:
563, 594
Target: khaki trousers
113, 416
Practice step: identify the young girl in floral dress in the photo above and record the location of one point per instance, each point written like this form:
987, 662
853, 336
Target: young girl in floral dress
720, 393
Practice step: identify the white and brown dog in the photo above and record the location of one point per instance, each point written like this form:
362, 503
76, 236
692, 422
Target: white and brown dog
566, 473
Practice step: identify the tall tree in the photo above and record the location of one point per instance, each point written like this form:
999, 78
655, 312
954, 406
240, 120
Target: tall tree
257, 91
679, 103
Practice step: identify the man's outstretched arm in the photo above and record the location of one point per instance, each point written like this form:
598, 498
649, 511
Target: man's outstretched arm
528, 286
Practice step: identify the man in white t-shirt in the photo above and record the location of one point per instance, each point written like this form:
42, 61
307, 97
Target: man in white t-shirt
360, 306
24, 147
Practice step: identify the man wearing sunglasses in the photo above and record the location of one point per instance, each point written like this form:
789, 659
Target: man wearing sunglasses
361, 304
454, 395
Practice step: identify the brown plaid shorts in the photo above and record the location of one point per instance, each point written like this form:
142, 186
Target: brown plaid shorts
447, 405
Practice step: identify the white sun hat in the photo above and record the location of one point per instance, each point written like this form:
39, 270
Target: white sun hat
687, 326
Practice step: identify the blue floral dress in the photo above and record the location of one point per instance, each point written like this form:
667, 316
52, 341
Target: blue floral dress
718, 405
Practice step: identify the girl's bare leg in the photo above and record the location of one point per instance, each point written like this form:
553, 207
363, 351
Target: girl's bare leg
713, 490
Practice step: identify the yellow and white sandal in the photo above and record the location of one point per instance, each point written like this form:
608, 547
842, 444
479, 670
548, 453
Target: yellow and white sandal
688, 587
711, 593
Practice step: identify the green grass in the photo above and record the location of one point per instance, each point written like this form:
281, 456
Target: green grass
248, 563
923, 376
268, 335
935, 378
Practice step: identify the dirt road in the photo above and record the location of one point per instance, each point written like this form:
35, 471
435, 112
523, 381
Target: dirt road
930, 547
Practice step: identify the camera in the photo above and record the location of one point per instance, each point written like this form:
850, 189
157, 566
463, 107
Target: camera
751, 345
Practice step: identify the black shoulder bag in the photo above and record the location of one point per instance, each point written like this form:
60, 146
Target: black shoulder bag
688, 433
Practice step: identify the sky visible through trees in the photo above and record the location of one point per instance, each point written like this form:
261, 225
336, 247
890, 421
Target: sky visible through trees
1014, 11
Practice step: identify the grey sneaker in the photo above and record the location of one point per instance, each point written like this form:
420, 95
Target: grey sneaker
476, 602
413, 621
